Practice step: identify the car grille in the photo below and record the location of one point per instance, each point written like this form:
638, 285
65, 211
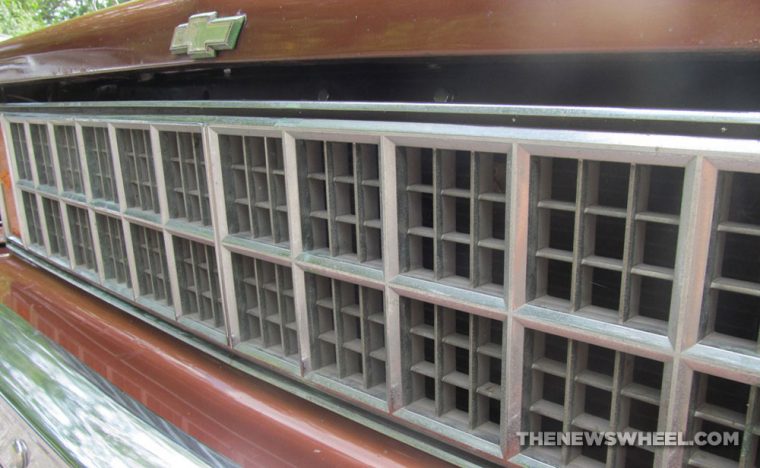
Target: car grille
467, 281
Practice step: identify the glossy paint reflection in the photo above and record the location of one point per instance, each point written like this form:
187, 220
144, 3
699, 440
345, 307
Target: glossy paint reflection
247, 420
84, 426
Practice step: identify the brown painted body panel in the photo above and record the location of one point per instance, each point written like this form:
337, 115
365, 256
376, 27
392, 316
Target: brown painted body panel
247, 420
137, 35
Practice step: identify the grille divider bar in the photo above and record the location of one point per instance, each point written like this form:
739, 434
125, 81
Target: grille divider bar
699, 188
629, 297
474, 221
516, 290
290, 163
749, 441
391, 267
210, 144
578, 294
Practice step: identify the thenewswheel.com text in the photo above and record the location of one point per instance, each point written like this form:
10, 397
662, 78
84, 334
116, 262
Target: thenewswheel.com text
642, 439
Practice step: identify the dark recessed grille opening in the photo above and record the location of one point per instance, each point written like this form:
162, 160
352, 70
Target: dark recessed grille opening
32, 213
198, 280
621, 222
68, 158
460, 356
113, 250
21, 150
42, 155
56, 234
97, 149
343, 199
81, 238
150, 260
722, 405
348, 332
253, 172
265, 307
732, 302
185, 176
607, 390
453, 203
137, 169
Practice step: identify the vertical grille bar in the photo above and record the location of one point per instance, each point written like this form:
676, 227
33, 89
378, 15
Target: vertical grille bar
185, 173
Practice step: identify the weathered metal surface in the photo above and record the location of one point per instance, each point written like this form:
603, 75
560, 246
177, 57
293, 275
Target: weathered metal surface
243, 418
137, 35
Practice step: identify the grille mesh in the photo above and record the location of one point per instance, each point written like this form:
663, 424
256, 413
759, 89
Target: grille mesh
113, 250
605, 238
81, 238
342, 206
139, 174
68, 157
100, 163
469, 282
185, 170
31, 210
266, 310
254, 179
18, 137
453, 216
454, 367
42, 156
199, 282
55, 232
150, 261
574, 386
347, 324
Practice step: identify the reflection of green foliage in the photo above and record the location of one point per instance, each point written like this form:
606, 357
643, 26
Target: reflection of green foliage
22, 16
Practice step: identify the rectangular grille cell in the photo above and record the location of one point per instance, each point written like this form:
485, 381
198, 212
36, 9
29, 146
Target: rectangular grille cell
452, 210
347, 325
340, 199
604, 238
150, 259
113, 250
81, 238
56, 234
97, 148
725, 406
68, 158
138, 171
42, 156
254, 180
453, 366
185, 174
21, 150
31, 210
198, 278
575, 386
265, 307
732, 301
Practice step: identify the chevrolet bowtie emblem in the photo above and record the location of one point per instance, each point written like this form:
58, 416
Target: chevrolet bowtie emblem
204, 34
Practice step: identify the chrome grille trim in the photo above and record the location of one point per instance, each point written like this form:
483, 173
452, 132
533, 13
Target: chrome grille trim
681, 346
